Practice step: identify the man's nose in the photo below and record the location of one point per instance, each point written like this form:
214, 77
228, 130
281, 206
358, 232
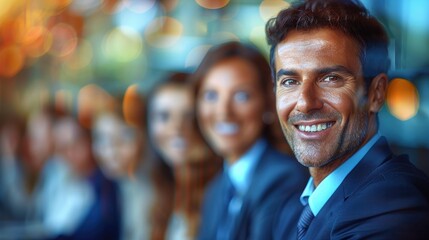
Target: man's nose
309, 98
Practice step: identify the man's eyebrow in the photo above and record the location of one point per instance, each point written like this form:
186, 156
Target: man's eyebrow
326, 70
287, 72
336, 68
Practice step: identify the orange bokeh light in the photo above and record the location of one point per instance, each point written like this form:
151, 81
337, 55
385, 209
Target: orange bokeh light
37, 41
11, 60
212, 4
110, 6
55, 5
9, 8
402, 99
132, 106
169, 5
164, 32
64, 40
13, 30
92, 100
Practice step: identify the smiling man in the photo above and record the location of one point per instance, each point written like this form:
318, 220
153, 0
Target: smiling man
329, 61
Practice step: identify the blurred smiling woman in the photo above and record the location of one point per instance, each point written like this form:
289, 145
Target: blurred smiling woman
184, 163
234, 111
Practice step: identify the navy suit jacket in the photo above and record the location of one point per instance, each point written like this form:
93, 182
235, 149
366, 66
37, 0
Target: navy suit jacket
383, 197
277, 178
103, 219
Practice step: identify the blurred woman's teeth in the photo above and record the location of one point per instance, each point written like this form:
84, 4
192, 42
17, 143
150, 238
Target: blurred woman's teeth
178, 142
226, 128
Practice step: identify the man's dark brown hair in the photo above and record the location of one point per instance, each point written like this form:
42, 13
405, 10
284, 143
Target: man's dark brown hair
347, 16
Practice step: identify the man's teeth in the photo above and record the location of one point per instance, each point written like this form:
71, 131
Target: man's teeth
315, 127
226, 128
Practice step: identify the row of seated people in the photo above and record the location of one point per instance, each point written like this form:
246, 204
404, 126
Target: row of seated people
119, 179
208, 159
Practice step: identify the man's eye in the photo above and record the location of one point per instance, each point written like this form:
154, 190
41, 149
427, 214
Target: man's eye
241, 96
289, 82
331, 78
210, 96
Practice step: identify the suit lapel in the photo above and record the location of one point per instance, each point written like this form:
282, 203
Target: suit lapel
378, 154
215, 213
323, 222
252, 196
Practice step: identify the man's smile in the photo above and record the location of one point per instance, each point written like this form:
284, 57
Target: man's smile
314, 127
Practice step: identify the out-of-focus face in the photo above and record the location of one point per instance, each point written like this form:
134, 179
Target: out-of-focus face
172, 125
230, 107
9, 140
75, 146
116, 145
321, 98
40, 139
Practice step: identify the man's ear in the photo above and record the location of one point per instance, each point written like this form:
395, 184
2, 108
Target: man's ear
377, 92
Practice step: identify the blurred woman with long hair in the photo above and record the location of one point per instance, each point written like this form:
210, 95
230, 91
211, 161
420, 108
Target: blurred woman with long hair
235, 112
184, 163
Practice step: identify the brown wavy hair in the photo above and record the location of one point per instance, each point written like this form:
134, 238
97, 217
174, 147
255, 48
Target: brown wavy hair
347, 16
182, 189
249, 53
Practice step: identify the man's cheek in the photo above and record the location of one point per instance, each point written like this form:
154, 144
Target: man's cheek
283, 107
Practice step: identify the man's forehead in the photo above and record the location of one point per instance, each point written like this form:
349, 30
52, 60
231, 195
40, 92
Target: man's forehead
299, 44
311, 47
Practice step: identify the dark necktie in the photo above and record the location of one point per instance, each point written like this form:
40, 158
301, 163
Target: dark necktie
304, 221
224, 230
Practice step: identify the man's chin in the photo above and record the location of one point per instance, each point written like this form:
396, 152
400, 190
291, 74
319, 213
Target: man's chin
311, 163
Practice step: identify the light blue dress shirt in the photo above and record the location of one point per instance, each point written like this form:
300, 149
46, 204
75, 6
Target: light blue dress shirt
240, 173
317, 197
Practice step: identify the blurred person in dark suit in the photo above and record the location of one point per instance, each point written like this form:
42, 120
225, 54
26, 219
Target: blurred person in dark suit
120, 149
329, 61
11, 192
27, 149
29, 169
235, 112
82, 203
183, 165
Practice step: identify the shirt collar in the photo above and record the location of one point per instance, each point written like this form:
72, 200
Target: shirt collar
317, 197
241, 171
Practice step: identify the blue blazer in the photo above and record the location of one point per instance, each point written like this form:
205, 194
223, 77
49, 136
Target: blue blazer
277, 179
103, 219
383, 197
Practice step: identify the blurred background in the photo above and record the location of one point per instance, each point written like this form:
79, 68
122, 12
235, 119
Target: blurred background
69, 51
79, 54
87, 56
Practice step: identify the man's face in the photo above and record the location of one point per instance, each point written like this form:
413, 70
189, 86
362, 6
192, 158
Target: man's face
320, 93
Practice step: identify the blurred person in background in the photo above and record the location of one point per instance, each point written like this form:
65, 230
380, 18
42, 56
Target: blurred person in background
11, 170
82, 203
120, 149
28, 177
234, 104
25, 160
184, 163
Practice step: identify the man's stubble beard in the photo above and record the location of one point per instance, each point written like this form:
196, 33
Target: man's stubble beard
343, 147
